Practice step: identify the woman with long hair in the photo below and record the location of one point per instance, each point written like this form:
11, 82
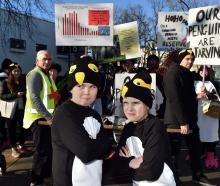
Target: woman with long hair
13, 88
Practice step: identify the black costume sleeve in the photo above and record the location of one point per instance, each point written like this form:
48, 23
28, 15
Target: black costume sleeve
75, 138
154, 153
124, 135
5, 93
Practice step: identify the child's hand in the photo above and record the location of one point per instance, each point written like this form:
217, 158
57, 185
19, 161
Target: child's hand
136, 162
124, 152
110, 155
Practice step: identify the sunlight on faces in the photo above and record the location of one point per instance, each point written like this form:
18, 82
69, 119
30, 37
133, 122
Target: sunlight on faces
134, 109
44, 60
84, 94
187, 61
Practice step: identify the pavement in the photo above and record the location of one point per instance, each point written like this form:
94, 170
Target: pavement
19, 169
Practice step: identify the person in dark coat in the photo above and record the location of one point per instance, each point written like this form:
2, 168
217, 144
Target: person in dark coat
3, 137
181, 111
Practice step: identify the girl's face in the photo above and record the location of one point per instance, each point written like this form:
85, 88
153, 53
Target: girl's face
134, 109
84, 94
205, 72
16, 73
53, 74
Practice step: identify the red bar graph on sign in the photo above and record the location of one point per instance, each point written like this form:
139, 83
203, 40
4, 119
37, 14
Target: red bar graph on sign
71, 26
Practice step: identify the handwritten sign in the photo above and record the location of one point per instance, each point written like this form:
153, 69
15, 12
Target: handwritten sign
128, 39
172, 31
204, 34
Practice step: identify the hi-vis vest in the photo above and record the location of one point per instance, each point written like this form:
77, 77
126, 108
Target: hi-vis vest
49, 87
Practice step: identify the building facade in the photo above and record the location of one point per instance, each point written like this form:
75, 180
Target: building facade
21, 43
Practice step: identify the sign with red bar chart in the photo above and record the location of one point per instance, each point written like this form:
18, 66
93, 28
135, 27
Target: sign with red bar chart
84, 24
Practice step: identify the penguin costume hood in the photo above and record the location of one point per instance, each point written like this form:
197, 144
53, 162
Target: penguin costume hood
139, 87
83, 71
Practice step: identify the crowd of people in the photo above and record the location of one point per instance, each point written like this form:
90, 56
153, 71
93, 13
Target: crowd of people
67, 128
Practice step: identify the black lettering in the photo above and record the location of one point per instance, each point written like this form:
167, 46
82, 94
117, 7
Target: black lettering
203, 52
190, 29
200, 42
173, 18
211, 52
200, 16
195, 51
208, 14
216, 13
211, 40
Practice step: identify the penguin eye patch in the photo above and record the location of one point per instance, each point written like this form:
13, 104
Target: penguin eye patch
93, 67
72, 69
141, 83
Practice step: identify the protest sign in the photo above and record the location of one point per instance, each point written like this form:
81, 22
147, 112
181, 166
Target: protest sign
172, 31
204, 34
128, 39
84, 24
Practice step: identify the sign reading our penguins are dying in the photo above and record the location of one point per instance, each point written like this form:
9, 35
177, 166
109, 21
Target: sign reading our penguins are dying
204, 34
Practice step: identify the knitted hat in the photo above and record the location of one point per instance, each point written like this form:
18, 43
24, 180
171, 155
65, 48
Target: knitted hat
55, 66
14, 66
5, 63
139, 87
184, 53
83, 71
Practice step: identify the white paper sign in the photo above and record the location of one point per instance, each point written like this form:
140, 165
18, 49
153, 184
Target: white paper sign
204, 34
128, 39
172, 31
84, 24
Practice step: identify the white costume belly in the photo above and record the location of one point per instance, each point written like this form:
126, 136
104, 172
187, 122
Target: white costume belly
89, 174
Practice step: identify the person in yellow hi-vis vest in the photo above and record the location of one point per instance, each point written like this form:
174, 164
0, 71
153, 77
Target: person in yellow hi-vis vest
41, 97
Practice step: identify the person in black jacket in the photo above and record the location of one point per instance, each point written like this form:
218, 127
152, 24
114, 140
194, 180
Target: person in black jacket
3, 137
181, 111
144, 141
78, 138
12, 89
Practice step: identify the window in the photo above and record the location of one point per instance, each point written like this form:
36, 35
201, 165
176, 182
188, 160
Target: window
40, 47
17, 44
62, 50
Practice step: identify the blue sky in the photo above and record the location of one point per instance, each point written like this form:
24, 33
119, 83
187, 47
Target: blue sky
119, 3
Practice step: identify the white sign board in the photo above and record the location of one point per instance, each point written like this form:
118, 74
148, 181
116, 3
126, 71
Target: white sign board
172, 31
119, 80
84, 24
204, 34
128, 39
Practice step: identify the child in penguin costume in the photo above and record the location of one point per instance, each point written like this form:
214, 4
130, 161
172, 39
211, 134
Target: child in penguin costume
144, 141
78, 138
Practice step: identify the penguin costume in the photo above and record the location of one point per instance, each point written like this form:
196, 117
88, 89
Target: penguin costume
145, 138
79, 140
